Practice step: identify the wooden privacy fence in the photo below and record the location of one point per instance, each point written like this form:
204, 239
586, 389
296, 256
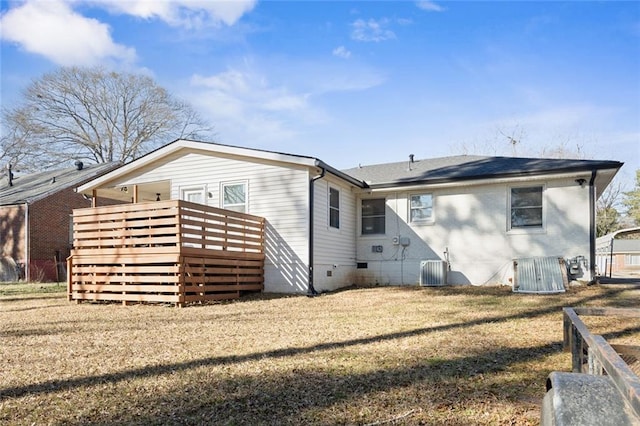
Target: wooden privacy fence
166, 251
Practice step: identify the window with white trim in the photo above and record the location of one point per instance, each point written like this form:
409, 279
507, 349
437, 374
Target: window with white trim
421, 208
632, 259
526, 207
194, 195
373, 216
334, 208
234, 196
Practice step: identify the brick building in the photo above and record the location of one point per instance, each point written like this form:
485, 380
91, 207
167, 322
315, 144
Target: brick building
35, 222
619, 252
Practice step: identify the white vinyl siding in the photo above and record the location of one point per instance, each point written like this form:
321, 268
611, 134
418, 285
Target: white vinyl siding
334, 249
275, 192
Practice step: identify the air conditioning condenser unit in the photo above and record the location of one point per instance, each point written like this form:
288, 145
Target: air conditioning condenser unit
433, 272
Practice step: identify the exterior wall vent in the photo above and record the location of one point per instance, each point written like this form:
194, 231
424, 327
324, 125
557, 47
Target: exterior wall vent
433, 272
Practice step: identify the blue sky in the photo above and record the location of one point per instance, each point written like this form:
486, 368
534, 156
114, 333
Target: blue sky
362, 82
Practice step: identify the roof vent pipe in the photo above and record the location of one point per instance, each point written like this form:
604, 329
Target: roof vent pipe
10, 174
79, 165
411, 158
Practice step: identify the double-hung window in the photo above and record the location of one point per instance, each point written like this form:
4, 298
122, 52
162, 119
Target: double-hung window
526, 207
234, 196
373, 216
334, 208
421, 208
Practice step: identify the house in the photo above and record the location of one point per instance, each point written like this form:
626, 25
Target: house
455, 220
619, 252
34, 220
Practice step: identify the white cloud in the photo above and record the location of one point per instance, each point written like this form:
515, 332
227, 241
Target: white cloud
251, 91
371, 30
341, 52
184, 13
274, 103
429, 6
52, 29
245, 106
562, 117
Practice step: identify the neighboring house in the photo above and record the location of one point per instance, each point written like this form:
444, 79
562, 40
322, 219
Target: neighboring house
619, 252
35, 214
468, 217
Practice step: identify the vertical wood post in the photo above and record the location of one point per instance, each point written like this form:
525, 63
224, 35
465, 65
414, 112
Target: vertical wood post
181, 280
69, 278
566, 331
576, 350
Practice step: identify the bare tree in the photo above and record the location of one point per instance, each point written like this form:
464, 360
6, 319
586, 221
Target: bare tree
632, 201
96, 115
607, 209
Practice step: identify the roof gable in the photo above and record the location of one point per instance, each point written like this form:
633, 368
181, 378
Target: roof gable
215, 148
35, 186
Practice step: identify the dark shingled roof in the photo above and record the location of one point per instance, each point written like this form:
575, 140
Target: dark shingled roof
468, 167
35, 186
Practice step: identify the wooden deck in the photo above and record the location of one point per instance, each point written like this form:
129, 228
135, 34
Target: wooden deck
167, 251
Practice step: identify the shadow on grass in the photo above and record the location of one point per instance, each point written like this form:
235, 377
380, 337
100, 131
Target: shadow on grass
297, 398
157, 370
35, 296
35, 308
300, 396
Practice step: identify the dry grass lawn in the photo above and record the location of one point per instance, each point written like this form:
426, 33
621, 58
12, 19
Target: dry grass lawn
367, 356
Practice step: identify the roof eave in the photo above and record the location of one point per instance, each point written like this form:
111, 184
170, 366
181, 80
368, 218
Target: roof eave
219, 148
613, 166
342, 175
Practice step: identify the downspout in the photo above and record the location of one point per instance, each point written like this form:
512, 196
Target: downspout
27, 248
610, 258
592, 227
311, 291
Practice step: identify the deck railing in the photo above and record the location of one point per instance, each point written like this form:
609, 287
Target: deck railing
167, 251
592, 354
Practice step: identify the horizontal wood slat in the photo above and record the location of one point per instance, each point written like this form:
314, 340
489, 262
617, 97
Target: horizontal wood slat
114, 297
171, 251
221, 288
210, 297
125, 288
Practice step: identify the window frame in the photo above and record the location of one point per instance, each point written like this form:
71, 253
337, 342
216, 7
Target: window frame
542, 207
383, 215
193, 190
245, 205
332, 208
631, 259
421, 221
